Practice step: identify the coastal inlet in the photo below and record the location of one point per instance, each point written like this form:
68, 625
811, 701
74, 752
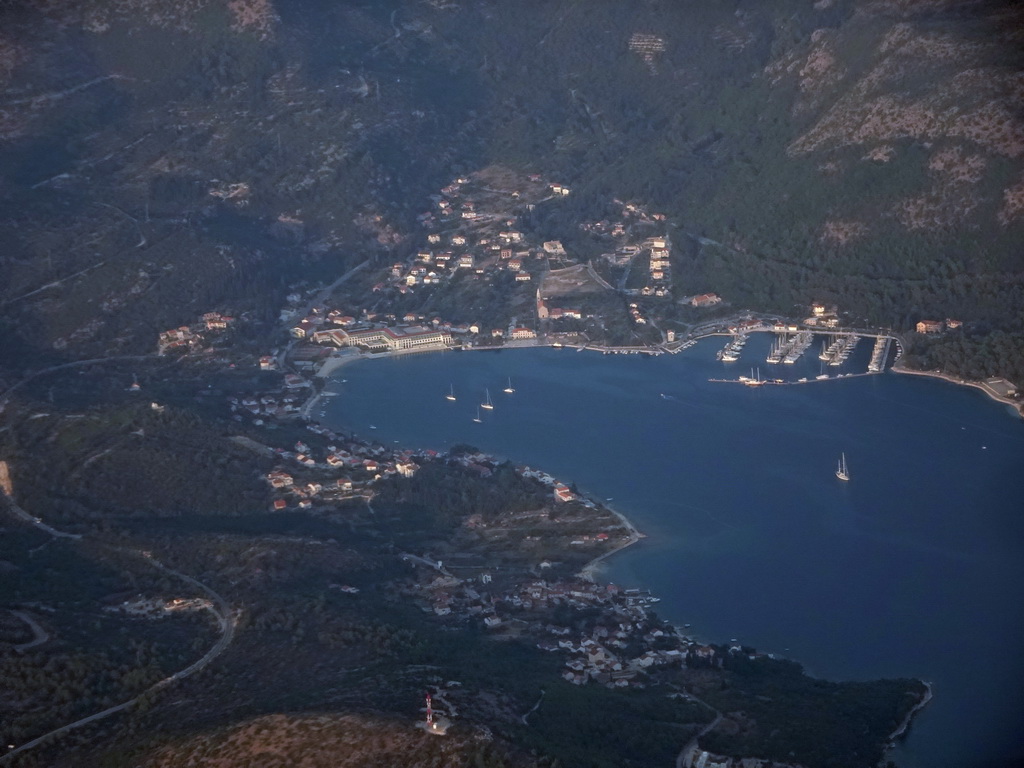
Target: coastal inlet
750, 534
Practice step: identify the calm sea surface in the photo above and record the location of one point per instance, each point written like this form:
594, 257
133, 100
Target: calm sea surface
915, 568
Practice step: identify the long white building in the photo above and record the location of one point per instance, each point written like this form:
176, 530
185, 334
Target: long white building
387, 339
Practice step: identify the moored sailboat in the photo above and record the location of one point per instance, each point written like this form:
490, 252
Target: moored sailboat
509, 390
487, 404
841, 471
451, 393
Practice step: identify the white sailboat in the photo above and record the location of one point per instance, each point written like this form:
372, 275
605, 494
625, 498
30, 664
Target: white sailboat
508, 390
451, 393
478, 419
487, 404
841, 471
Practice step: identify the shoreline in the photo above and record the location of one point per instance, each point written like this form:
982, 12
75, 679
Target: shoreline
926, 698
334, 363
1016, 405
590, 571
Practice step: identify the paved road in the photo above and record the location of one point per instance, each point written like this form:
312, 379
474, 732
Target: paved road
686, 754
532, 709
95, 361
429, 563
35, 521
54, 284
39, 635
318, 299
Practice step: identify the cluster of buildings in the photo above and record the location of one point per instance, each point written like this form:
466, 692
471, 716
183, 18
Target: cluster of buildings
657, 248
823, 316
157, 608
387, 339
476, 254
373, 332
191, 337
360, 465
937, 326
622, 647
437, 334
660, 267
636, 314
481, 234
270, 406
479, 239
544, 312
560, 490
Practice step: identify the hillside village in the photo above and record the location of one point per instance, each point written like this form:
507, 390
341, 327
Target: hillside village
477, 242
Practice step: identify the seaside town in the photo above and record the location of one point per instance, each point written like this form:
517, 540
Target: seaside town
480, 280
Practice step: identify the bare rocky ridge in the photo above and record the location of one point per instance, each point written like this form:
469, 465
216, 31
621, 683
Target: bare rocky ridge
914, 83
325, 741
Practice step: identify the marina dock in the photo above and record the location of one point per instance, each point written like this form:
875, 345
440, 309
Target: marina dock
880, 354
800, 344
730, 353
789, 349
840, 349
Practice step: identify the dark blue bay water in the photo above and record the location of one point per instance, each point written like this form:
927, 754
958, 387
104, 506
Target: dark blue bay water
913, 568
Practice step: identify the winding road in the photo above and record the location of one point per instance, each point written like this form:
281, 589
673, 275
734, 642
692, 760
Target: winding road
227, 621
319, 298
686, 755
39, 635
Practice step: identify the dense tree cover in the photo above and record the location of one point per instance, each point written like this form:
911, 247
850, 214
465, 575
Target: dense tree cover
325, 648
772, 694
601, 728
440, 496
343, 122
130, 460
971, 356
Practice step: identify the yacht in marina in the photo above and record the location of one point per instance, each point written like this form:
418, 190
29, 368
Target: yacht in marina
754, 380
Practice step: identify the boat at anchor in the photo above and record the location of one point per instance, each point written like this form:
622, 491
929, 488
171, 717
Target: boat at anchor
841, 471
